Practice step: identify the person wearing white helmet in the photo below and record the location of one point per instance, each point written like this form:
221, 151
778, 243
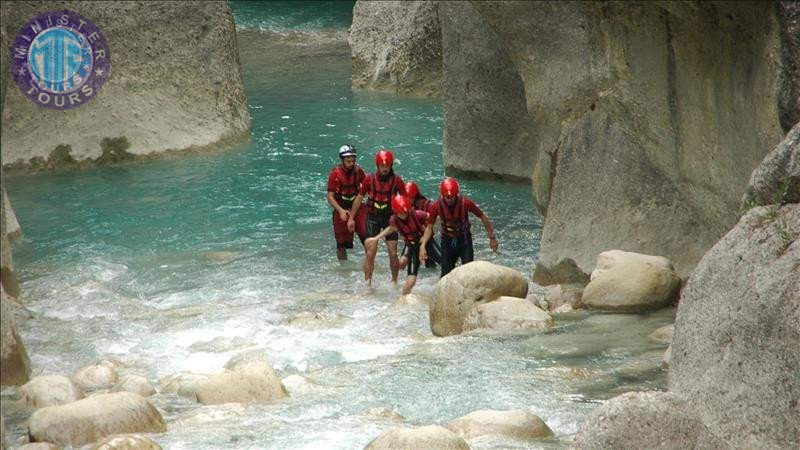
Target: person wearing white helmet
344, 182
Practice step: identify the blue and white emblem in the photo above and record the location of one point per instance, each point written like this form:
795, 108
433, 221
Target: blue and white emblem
60, 59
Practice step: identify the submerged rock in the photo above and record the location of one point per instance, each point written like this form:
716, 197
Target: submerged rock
507, 314
629, 282
315, 320
515, 424
662, 335
467, 286
412, 300
431, 437
136, 384
97, 376
95, 417
384, 413
298, 384
49, 390
126, 442
39, 446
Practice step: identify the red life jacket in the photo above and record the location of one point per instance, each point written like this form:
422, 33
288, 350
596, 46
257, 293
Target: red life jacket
348, 185
454, 222
381, 194
422, 204
411, 228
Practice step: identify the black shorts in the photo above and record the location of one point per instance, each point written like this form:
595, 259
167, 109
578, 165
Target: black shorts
455, 248
376, 223
412, 253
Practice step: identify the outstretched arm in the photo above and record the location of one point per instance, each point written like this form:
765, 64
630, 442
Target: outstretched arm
384, 232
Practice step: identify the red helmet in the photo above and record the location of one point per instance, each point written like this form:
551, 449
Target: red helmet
400, 204
449, 187
384, 157
412, 190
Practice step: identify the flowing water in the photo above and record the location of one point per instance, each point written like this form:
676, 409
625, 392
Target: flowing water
180, 264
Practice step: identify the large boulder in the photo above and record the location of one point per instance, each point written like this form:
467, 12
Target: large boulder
515, 424
49, 390
15, 367
627, 282
789, 90
466, 286
777, 178
565, 271
95, 417
12, 228
397, 46
245, 382
486, 125
431, 437
183, 384
507, 314
645, 420
736, 347
560, 298
175, 84
662, 335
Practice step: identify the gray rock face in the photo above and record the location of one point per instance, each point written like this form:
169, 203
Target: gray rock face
777, 178
507, 314
620, 98
735, 352
8, 276
789, 91
15, 367
486, 125
175, 84
645, 420
396, 47
736, 346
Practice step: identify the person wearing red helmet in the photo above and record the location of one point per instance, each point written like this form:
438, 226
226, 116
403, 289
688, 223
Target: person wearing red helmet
410, 223
380, 187
421, 203
456, 235
344, 182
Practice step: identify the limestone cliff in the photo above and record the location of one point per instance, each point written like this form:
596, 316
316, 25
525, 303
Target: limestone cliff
175, 84
736, 346
638, 122
396, 47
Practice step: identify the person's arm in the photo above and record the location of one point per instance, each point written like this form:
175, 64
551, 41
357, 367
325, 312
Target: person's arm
351, 222
487, 223
386, 231
332, 201
426, 236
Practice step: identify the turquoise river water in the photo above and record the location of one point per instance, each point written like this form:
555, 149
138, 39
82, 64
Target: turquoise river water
179, 264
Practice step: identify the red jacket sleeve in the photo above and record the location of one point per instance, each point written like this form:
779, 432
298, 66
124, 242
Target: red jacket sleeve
365, 184
401, 187
472, 207
433, 213
333, 181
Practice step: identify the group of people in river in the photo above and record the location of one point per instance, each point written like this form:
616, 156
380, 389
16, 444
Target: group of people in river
394, 208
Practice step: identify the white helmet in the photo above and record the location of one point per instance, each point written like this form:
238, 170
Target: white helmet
347, 150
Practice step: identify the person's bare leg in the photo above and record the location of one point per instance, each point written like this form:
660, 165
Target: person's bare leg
409, 284
341, 253
394, 263
369, 261
403, 262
